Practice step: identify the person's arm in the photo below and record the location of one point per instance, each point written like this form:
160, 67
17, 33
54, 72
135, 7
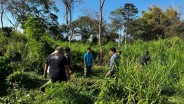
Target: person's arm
85, 60
149, 58
45, 71
46, 67
111, 63
66, 64
110, 68
67, 67
67, 71
91, 59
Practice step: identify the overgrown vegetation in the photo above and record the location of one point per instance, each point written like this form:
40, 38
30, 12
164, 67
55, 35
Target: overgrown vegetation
159, 82
22, 56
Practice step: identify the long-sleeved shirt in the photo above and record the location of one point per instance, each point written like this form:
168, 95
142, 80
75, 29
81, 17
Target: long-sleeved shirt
114, 61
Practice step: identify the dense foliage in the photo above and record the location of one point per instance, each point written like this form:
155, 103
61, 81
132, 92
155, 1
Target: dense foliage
22, 56
159, 82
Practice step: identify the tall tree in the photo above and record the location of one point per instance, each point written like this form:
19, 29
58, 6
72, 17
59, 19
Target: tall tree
117, 21
117, 18
149, 26
68, 16
69, 5
2, 2
86, 27
100, 28
157, 24
21, 9
110, 33
129, 13
64, 31
172, 23
31, 28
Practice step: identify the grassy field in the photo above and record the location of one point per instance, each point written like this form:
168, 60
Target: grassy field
160, 82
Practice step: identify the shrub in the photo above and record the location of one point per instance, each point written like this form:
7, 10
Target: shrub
22, 80
5, 70
63, 93
114, 92
6, 31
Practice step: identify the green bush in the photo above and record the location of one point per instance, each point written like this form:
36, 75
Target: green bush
5, 70
3, 44
114, 92
22, 80
19, 96
63, 93
31, 28
161, 81
6, 31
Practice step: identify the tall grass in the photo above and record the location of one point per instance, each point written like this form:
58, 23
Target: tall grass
159, 82
155, 83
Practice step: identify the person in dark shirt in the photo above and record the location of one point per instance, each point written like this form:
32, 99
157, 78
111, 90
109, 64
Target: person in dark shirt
145, 58
68, 57
57, 65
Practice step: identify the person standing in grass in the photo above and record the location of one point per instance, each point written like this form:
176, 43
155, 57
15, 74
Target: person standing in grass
88, 58
145, 58
114, 62
58, 64
68, 57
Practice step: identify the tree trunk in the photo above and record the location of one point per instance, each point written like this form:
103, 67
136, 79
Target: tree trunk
66, 16
71, 27
67, 23
119, 38
71, 35
70, 39
125, 35
100, 31
2, 12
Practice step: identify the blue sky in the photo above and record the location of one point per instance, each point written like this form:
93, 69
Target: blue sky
111, 5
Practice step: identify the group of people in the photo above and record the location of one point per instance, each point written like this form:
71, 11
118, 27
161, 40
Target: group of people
113, 64
58, 64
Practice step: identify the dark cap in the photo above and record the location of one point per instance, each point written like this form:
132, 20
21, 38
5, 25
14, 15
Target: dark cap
67, 49
89, 49
113, 49
147, 52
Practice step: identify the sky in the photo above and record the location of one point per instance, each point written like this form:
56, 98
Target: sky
110, 5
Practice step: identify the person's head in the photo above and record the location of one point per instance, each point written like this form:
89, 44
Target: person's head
89, 50
120, 52
147, 52
112, 50
59, 49
67, 50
